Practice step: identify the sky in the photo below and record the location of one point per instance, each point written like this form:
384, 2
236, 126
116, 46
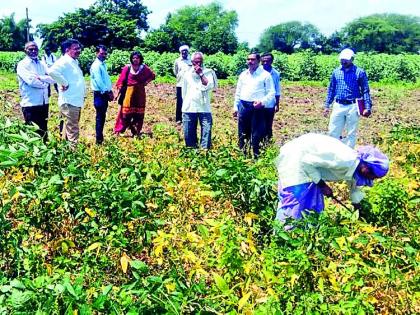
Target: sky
254, 15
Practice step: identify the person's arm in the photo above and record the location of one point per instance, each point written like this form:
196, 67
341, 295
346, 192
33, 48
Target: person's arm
121, 78
97, 78
29, 77
175, 68
269, 91
364, 89
330, 94
207, 81
56, 72
237, 96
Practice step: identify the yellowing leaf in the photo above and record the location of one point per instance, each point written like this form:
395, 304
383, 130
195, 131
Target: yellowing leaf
124, 262
170, 287
220, 283
94, 246
243, 300
321, 285
293, 279
90, 212
249, 217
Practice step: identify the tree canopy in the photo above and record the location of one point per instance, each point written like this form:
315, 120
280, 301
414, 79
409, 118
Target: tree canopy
385, 33
12, 33
114, 23
291, 36
207, 28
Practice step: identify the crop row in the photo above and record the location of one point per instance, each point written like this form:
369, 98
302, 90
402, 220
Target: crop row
296, 67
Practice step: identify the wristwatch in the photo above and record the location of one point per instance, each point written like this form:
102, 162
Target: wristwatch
201, 75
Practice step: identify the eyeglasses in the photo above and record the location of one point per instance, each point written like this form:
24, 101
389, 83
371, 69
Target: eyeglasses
32, 49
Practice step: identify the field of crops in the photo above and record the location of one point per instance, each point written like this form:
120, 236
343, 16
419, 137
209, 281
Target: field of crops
147, 226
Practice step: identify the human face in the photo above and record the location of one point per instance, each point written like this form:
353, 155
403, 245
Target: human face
32, 51
365, 171
266, 62
252, 62
346, 63
197, 60
101, 54
184, 54
74, 51
135, 60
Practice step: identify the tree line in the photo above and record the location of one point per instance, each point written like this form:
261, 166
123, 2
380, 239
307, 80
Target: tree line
122, 24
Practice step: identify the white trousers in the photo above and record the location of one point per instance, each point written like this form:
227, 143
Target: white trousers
344, 117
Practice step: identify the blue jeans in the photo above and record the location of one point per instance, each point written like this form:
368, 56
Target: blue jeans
100, 101
251, 126
189, 122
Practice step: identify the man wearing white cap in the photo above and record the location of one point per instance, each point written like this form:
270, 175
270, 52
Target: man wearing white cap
348, 84
181, 66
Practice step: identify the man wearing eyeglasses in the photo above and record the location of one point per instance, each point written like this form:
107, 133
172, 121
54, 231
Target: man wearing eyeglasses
254, 92
33, 87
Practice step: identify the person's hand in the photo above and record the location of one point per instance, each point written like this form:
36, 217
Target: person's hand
64, 88
258, 104
235, 114
366, 113
325, 189
198, 69
111, 97
276, 108
357, 206
326, 112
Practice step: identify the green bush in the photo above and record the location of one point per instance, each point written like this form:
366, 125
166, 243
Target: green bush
299, 66
387, 203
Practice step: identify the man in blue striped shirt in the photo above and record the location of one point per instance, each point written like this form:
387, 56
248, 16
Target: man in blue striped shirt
348, 83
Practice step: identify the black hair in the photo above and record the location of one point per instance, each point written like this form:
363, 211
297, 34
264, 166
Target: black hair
136, 53
268, 54
68, 43
99, 47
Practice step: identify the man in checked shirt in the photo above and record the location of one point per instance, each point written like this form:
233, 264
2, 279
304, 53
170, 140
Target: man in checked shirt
348, 83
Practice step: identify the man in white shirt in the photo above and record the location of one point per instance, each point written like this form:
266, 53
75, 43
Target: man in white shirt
197, 84
101, 85
66, 71
181, 65
33, 87
254, 91
48, 60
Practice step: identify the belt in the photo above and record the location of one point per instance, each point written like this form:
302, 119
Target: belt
346, 102
247, 104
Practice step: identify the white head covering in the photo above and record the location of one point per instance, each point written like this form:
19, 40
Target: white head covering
346, 54
184, 47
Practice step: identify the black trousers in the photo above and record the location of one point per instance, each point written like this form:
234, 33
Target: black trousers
100, 102
39, 116
251, 126
269, 117
178, 113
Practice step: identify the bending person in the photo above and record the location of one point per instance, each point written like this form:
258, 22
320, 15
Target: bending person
307, 162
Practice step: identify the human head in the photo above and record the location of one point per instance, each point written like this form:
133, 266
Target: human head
373, 163
253, 60
346, 57
71, 47
184, 49
136, 58
101, 52
31, 50
197, 58
47, 50
267, 61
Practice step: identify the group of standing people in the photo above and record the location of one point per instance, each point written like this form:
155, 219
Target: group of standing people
304, 164
36, 76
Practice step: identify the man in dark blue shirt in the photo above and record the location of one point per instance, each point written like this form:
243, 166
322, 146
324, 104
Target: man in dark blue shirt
348, 84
